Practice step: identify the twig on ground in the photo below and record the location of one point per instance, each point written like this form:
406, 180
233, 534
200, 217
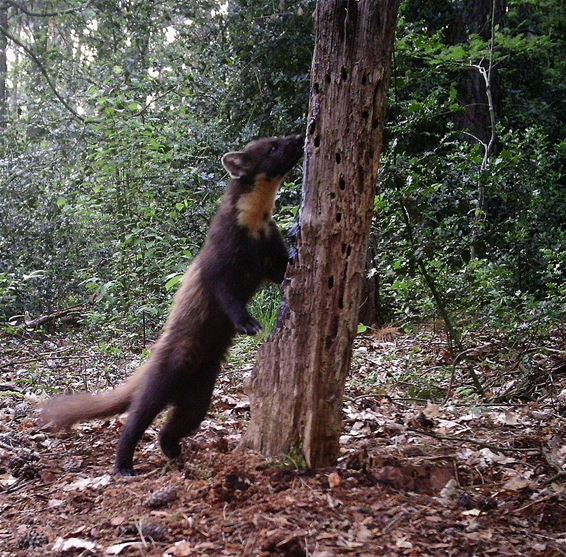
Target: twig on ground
30, 360
475, 442
558, 476
535, 502
460, 356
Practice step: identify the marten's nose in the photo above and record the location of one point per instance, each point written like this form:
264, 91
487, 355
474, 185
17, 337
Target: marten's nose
298, 141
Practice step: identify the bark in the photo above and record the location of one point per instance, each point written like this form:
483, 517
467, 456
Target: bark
297, 385
3, 68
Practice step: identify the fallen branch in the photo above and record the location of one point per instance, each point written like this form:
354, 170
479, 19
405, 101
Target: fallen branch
558, 476
10, 389
535, 502
52, 316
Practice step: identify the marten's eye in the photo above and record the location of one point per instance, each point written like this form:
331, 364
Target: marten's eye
274, 148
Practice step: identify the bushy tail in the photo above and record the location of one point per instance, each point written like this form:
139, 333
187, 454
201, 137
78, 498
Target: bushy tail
62, 412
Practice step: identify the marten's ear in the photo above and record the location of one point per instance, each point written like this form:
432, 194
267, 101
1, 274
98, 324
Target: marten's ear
236, 163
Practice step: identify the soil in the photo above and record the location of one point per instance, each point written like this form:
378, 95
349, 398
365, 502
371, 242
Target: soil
414, 478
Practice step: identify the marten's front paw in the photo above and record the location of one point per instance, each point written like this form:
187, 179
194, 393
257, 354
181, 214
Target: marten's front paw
249, 327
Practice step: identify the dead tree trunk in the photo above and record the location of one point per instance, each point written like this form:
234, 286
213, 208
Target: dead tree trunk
297, 385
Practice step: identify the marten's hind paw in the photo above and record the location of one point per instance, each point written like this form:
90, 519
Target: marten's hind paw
171, 448
125, 471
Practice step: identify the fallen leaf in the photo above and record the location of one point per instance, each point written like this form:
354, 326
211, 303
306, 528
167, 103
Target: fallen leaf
510, 418
334, 480
403, 543
6, 480
449, 490
116, 549
84, 483
517, 483
364, 534
61, 545
489, 457
432, 410
79, 529
179, 549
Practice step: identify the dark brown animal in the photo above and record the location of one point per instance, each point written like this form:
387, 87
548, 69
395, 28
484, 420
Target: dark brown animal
242, 249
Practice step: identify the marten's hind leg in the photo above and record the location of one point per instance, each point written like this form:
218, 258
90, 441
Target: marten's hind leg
189, 410
148, 402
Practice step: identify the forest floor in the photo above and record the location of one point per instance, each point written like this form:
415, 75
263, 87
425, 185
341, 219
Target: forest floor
457, 478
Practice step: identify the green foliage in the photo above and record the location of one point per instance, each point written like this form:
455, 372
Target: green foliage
432, 171
109, 208
113, 210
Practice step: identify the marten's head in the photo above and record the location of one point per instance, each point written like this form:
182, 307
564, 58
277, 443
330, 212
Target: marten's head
271, 157
258, 171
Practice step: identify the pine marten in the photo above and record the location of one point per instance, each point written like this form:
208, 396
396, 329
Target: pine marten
243, 248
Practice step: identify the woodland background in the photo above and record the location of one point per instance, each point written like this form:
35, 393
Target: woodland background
114, 115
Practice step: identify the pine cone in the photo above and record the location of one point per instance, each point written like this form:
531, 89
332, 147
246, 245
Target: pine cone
154, 531
32, 540
22, 466
149, 530
161, 497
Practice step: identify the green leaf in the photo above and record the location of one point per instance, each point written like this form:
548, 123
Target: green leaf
453, 93
173, 281
458, 53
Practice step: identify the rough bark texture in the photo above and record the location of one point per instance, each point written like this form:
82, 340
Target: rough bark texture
297, 385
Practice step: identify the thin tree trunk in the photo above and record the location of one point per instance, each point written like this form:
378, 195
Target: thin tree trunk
370, 303
297, 385
479, 17
477, 244
3, 68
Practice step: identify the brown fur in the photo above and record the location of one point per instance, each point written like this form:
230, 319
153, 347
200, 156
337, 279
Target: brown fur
242, 249
64, 411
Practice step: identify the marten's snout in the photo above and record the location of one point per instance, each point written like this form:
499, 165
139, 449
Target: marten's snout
298, 142
295, 146
298, 139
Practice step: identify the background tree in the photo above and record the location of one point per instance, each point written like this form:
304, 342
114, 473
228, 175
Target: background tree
432, 168
297, 385
163, 94
3, 67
